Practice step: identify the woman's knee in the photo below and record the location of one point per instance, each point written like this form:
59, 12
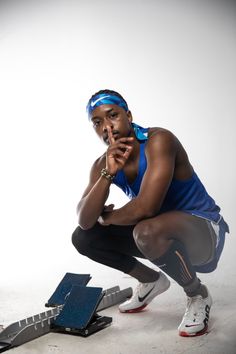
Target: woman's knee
81, 240
149, 234
143, 234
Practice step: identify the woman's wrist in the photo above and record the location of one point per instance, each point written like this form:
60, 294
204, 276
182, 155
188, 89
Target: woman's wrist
107, 175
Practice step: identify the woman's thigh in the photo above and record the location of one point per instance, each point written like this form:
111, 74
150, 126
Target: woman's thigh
109, 238
193, 231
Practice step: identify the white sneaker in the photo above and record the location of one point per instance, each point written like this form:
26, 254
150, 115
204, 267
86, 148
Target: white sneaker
196, 317
144, 293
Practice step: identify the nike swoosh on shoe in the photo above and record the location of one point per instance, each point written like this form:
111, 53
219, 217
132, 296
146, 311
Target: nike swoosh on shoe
193, 325
141, 299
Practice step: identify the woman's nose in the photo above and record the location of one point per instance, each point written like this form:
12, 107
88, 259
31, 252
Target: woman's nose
107, 123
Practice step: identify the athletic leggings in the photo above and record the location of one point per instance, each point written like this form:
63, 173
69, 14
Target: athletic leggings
115, 247
111, 245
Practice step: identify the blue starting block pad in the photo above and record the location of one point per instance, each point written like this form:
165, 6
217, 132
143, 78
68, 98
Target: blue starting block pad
78, 315
64, 287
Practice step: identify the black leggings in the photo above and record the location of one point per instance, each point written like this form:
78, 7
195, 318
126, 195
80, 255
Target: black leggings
111, 245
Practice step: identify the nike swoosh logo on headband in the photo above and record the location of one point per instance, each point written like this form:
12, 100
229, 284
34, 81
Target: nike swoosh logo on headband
92, 104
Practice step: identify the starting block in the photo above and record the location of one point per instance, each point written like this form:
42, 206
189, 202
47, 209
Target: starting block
64, 287
74, 308
78, 315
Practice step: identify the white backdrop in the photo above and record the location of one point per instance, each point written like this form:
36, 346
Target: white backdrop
173, 61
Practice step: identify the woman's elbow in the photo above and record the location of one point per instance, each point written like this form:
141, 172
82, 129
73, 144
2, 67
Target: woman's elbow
85, 224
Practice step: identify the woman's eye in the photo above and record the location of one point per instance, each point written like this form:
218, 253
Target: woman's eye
96, 123
113, 114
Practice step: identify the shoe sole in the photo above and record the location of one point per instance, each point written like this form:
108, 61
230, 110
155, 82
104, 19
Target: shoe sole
137, 309
200, 333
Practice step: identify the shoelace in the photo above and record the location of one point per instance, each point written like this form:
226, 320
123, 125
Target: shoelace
138, 288
195, 308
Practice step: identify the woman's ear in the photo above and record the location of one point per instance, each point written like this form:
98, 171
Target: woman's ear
129, 115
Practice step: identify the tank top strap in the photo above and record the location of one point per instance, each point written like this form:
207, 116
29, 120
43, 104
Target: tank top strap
132, 189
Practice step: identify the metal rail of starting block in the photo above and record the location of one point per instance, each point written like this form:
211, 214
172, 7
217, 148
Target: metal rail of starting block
114, 296
27, 329
40, 324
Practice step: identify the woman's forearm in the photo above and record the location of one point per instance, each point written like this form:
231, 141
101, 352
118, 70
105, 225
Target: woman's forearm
91, 206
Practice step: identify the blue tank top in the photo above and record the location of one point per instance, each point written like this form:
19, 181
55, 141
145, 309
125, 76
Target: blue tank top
189, 195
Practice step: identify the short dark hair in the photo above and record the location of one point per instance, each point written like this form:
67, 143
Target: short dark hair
111, 92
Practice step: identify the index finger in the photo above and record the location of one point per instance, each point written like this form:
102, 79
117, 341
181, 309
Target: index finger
110, 135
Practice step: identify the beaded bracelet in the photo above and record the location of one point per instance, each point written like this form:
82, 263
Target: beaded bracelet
105, 174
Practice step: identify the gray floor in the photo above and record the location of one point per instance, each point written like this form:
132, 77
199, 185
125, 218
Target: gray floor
152, 331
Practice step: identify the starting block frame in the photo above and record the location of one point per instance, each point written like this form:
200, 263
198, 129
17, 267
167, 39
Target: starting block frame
55, 319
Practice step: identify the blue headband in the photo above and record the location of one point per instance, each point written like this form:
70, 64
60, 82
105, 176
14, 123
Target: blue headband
105, 98
140, 132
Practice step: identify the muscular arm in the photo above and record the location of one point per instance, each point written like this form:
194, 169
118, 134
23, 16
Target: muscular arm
93, 200
161, 153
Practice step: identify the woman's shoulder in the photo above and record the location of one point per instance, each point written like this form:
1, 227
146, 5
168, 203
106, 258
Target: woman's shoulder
163, 134
158, 130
